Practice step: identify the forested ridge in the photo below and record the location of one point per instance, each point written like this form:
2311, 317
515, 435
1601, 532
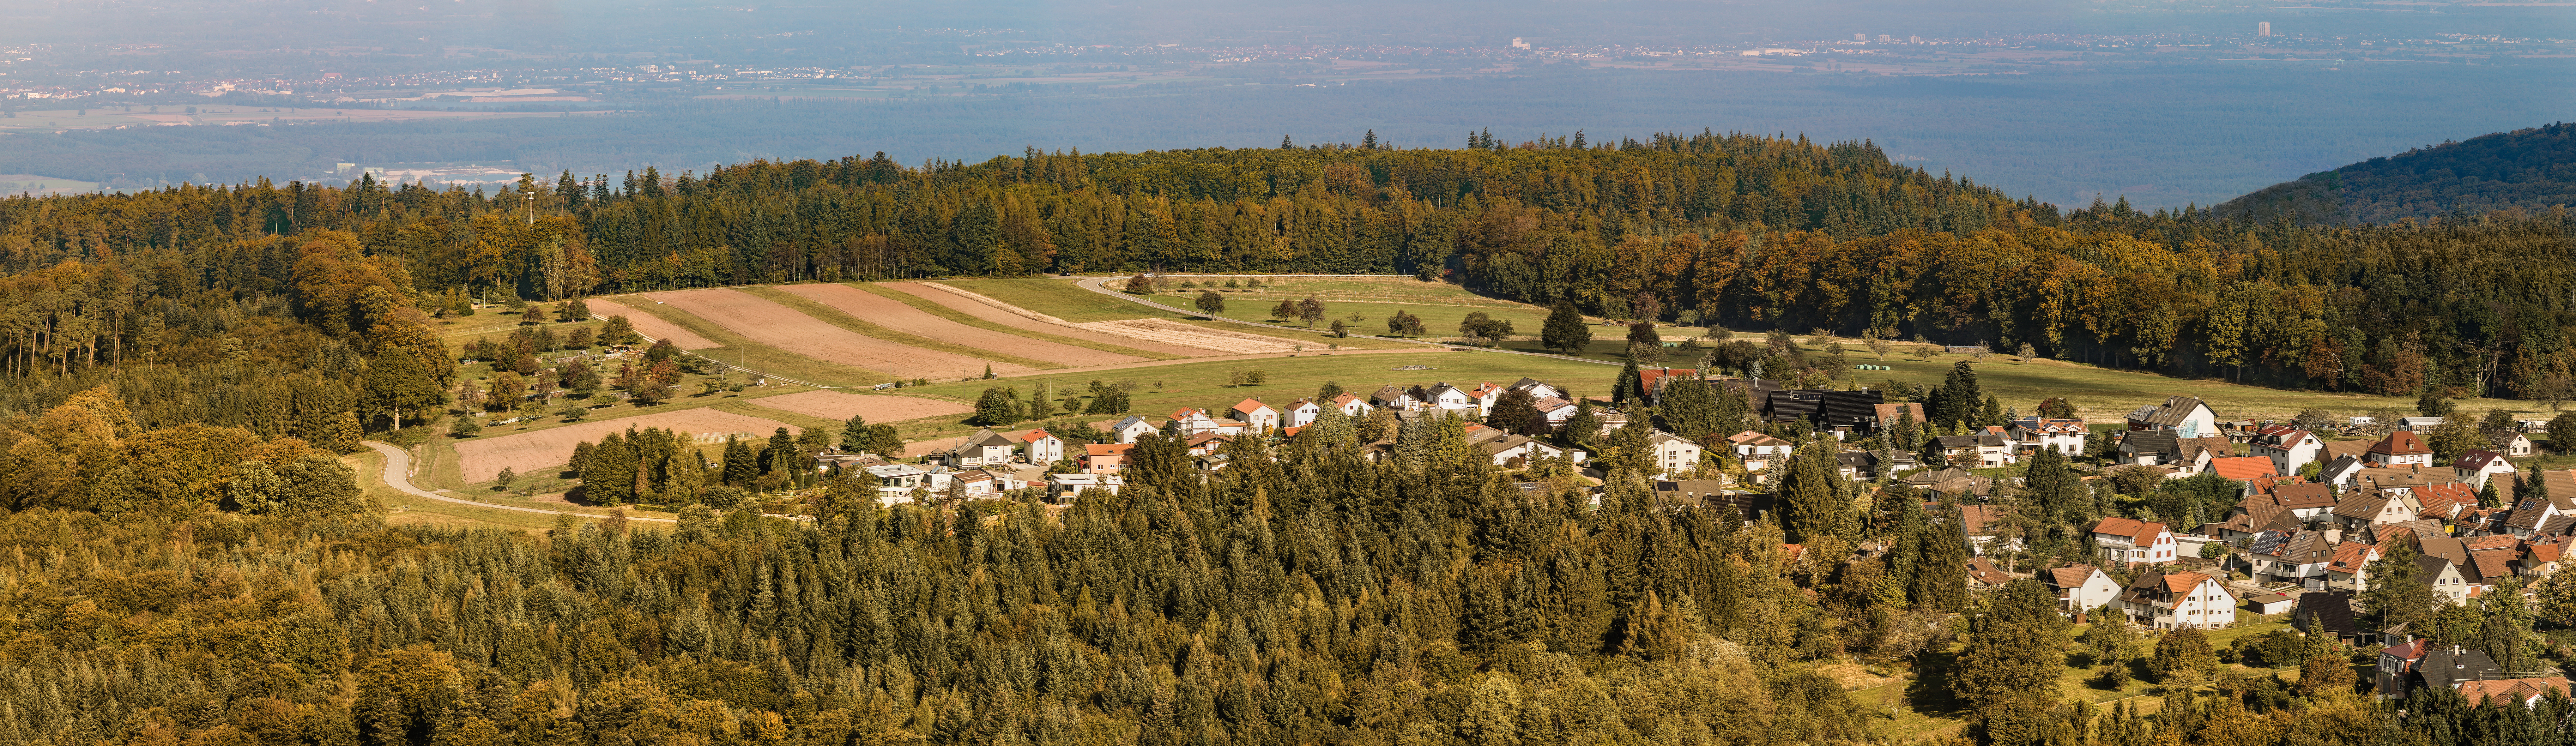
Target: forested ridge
2526, 170
1742, 230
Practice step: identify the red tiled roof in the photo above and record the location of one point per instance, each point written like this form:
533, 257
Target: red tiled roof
1107, 449
2351, 555
2241, 468
2517, 691
1249, 406
2071, 576
2182, 582
2139, 532
2400, 443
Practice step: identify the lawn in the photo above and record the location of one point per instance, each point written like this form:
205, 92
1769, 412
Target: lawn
736, 351
1161, 389
1060, 299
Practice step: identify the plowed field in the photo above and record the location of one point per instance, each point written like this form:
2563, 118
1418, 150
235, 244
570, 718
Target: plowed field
878, 408
483, 458
781, 327
996, 311
1166, 330
652, 326
893, 314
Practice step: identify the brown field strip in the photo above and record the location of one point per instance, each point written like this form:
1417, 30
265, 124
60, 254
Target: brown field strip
878, 408
893, 314
978, 306
768, 323
652, 326
1167, 330
483, 458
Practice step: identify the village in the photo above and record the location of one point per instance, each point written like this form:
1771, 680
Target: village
2310, 514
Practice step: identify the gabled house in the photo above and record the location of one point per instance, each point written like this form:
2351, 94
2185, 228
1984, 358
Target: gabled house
2476, 467
1672, 454
1105, 458
2030, 434
1553, 412
2524, 690
2366, 508
1255, 416
1984, 450
1038, 445
2402, 478
2416, 664
1190, 421
2329, 612
2444, 578
1444, 397
2179, 600
2400, 448
1301, 413
2309, 501
2080, 587
987, 482
1206, 443
1860, 466
1984, 526
2132, 541
1394, 397
2482, 562
981, 448
1888, 414
2254, 516
1537, 389
2239, 468
2419, 424
2350, 568
1135, 426
2509, 443
1516, 451
2289, 449
1650, 381
2446, 502
2291, 557
1352, 404
2185, 416
1850, 413
1758, 451
1485, 396
2341, 471
1062, 486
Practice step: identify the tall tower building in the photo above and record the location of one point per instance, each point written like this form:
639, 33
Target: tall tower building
2263, 29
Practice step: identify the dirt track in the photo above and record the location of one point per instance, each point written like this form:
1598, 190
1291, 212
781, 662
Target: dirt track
1198, 336
778, 326
878, 408
893, 314
652, 326
976, 306
483, 458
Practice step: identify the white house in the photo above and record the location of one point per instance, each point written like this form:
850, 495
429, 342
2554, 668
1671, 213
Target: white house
2081, 587
1302, 413
1446, 397
2350, 570
2190, 417
1485, 396
988, 482
1516, 451
2179, 600
2134, 541
895, 482
2475, 467
1555, 411
1256, 416
983, 447
1981, 450
1758, 450
1190, 421
2418, 424
1672, 454
1396, 398
1352, 404
2510, 443
2401, 448
1040, 446
2030, 434
1537, 389
2289, 449
2292, 556
1135, 426
1062, 486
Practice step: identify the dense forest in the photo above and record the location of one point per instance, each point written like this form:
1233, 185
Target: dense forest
2527, 170
1746, 231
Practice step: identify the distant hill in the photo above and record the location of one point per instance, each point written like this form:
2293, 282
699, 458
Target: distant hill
2533, 169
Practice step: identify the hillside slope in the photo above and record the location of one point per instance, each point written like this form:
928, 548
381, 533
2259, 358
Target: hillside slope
2532, 169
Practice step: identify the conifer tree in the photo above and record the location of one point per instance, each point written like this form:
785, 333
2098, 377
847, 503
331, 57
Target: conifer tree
1941, 582
1564, 333
740, 464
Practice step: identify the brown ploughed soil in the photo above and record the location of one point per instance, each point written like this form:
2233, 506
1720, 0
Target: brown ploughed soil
652, 326
893, 314
993, 310
781, 327
1167, 330
837, 406
483, 458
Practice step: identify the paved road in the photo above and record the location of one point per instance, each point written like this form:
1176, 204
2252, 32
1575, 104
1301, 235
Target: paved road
398, 475
1096, 285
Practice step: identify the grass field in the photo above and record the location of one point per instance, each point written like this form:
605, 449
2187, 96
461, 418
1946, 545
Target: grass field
744, 353
406, 509
1060, 299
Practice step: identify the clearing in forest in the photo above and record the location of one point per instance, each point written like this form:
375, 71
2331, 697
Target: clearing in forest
768, 323
651, 326
893, 314
995, 310
483, 458
878, 408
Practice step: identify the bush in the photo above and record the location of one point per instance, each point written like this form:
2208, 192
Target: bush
2113, 676
726, 497
573, 411
467, 427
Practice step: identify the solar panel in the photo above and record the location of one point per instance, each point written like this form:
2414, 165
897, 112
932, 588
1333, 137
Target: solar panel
2269, 542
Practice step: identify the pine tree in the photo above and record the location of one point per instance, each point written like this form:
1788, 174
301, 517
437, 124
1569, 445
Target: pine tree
1812, 505
1942, 581
1626, 387
1564, 333
740, 464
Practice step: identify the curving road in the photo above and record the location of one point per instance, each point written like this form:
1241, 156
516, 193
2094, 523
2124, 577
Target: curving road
398, 476
1098, 285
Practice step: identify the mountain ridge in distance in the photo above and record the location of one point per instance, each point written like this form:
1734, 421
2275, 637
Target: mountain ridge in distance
2531, 169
